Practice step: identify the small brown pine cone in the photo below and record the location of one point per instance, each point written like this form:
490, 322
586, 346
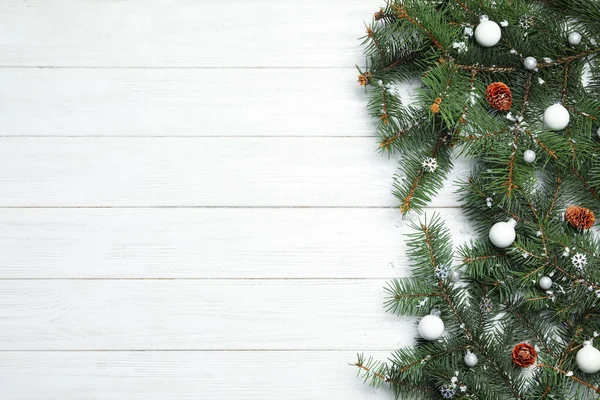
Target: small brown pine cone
364, 79
435, 108
524, 355
580, 217
499, 96
379, 15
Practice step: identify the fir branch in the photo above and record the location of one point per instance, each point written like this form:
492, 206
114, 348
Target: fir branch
571, 376
371, 35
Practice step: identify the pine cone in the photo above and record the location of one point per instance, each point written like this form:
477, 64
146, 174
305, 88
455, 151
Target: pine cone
524, 355
499, 96
580, 217
364, 79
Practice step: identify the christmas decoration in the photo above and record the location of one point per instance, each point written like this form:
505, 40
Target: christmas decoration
447, 392
503, 234
470, 359
530, 63
487, 33
588, 359
574, 38
580, 217
524, 355
430, 164
486, 305
431, 327
499, 96
502, 298
556, 117
579, 261
545, 283
529, 156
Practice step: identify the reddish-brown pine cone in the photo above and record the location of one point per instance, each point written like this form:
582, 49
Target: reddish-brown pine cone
499, 96
580, 217
524, 355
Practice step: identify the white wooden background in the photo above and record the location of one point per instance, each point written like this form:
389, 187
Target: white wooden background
191, 202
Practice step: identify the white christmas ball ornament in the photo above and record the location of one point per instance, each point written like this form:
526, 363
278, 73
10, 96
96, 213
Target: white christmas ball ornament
431, 327
529, 156
503, 234
470, 359
574, 38
556, 117
545, 283
588, 359
487, 33
530, 63
598, 132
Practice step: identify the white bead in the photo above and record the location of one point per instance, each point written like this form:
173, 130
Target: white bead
431, 327
545, 283
488, 33
470, 359
556, 117
588, 359
530, 63
598, 132
574, 38
529, 156
503, 234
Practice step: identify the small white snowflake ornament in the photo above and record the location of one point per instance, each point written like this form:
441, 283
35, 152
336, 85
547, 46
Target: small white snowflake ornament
579, 261
430, 164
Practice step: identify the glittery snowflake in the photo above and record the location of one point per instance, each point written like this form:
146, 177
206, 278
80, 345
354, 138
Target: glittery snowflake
430, 164
447, 392
442, 272
579, 261
526, 21
486, 305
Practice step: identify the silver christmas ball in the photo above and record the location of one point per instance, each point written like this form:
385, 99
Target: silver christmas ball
545, 283
455, 276
598, 132
574, 38
530, 63
470, 359
529, 156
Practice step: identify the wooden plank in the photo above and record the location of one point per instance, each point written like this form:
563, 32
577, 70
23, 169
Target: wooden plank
158, 102
183, 375
198, 315
208, 243
335, 172
184, 33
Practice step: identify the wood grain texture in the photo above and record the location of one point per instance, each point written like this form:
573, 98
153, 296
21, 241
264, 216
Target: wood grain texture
184, 376
198, 315
189, 102
209, 243
330, 172
183, 33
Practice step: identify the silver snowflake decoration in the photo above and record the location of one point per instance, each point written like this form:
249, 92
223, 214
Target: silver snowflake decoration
442, 272
430, 164
579, 261
486, 305
526, 21
447, 392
